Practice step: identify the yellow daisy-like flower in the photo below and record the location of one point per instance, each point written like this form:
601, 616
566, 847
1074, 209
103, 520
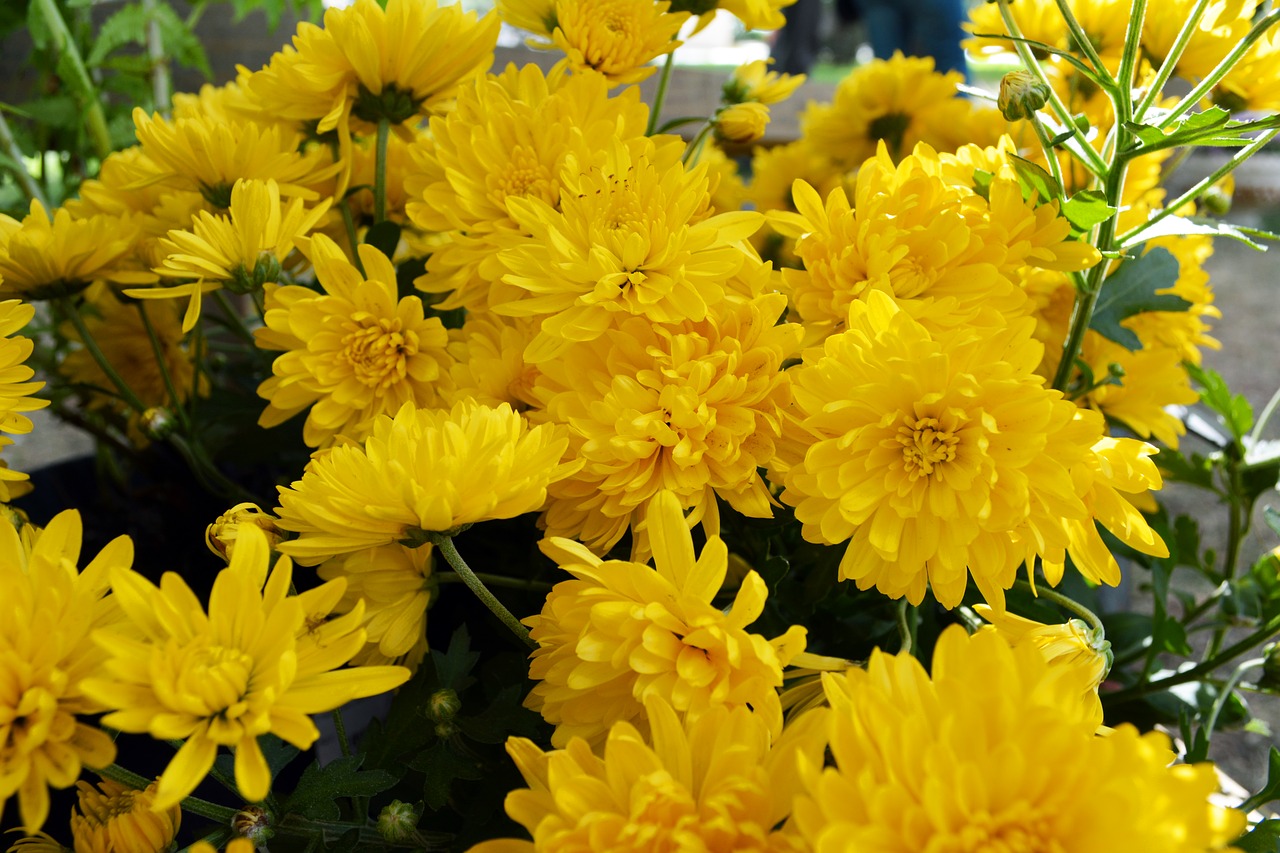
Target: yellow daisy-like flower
693, 408
753, 81
208, 155
490, 367
47, 610
120, 331
617, 38
740, 124
942, 455
622, 632
15, 385
995, 752
509, 137
421, 471
114, 819
396, 586
241, 251
633, 237
717, 781
221, 536
899, 101
228, 677
1224, 25
38, 843
1071, 644
351, 352
1037, 21
373, 63
44, 258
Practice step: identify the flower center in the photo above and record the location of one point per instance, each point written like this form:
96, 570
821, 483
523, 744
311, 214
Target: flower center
378, 351
986, 834
28, 725
926, 444
524, 176
214, 680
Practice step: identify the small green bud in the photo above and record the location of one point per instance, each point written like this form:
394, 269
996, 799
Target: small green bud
398, 821
1021, 94
442, 708
158, 423
253, 823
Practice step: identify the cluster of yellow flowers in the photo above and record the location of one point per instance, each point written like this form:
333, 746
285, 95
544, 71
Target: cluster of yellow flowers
633, 357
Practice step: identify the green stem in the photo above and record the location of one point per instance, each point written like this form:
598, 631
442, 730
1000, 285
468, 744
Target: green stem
1055, 168
694, 149
380, 172
1128, 237
85, 93
9, 145
661, 95
495, 580
235, 321
904, 627
175, 402
195, 805
1236, 528
72, 311
161, 87
1270, 409
116, 773
352, 239
1083, 151
341, 728
1050, 594
1171, 60
1212, 722
1084, 43
1129, 60
1192, 99
444, 542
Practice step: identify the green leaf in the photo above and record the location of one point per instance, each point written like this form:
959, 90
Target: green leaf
320, 787
453, 667
127, 26
1185, 131
1234, 409
179, 41
1087, 208
1035, 179
1182, 226
1272, 517
384, 237
1270, 791
442, 764
1196, 470
1132, 289
277, 753
1263, 838
505, 716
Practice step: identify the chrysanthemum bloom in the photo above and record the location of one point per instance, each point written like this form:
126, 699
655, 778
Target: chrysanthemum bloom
716, 781
694, 409
47, 610
235, 845
617, 38
942, 455
490, 366
372, 64
632, 237
121, 333
621, 632
421, 471
1223, 26
899, 101
1072, 644
221, 536
208, 155
995, 752
114, 819
396, 586
15, 385
241, 251
351, 352
44, 258
226, 678
743, 123
753, 81
509, 137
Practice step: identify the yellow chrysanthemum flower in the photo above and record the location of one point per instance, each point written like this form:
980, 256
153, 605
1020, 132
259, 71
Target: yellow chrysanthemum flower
15, 385
717, 781
44, 258
396, 586
1071, 644
235, 845
694, 408
509, 137
616, 38
740, 124
421, 471
120, 332
633, 237
1224, 25
221, 536
899, 101
372, 63
228, 677
241, 251
114, 819
939, 455
995, 752
1038, 20
622, 632
208, 155
753, 81
47, 610
351, 352
38, 843
490, 367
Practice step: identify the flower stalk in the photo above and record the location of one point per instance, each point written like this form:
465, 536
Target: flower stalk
444, 542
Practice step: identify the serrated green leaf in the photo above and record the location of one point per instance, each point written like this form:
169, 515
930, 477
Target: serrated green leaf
505, 716
1087, 208
1034, 179
441, 765
454, 665
1131, 290
179, 41
1234, 409
1187, 130
1181, 226
1263, 838
320, 788
1196, 470
126, 26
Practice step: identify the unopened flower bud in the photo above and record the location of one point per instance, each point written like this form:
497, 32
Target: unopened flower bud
1021, 94
221, 535
397, 821
442, 707
158, 423
742, 123
253, 823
